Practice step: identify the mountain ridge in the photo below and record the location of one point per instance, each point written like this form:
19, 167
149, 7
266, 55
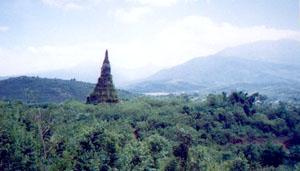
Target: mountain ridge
230, 67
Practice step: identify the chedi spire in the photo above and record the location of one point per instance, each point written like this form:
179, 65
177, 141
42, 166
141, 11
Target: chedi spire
104, 91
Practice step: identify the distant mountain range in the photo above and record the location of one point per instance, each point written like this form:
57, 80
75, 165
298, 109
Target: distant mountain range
3, 78
89, 72
43, 90
268, 67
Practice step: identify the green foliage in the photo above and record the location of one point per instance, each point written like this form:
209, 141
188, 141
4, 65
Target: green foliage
273, 155
222, 132
42, 90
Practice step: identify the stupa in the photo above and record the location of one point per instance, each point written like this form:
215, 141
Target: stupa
104, 92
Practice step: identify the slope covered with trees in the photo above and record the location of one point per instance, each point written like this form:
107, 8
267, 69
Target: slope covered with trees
222, 132
269, 67
43, 90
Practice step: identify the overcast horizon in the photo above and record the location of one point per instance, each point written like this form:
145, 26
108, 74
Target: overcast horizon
39, 36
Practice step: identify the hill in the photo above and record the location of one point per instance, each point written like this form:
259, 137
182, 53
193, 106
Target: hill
269, 67
3, 78
43, 90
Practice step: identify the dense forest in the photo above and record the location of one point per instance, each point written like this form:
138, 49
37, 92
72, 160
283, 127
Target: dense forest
235, 131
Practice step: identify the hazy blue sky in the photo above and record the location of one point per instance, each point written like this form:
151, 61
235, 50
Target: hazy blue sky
44, 35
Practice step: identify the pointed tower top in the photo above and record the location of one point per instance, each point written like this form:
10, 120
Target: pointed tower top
105, 69
106, 57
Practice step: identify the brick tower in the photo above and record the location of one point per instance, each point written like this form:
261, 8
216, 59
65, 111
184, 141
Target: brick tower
104, 91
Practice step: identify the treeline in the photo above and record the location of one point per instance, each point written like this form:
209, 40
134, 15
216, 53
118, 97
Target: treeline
222, 132
45, 90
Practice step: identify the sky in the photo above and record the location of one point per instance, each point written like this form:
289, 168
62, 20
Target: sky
141, 35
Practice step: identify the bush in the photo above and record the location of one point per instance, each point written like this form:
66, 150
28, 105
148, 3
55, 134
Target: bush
273, 155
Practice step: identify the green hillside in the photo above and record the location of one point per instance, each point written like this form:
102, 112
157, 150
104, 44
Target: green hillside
236, 132
269, 67
43, 90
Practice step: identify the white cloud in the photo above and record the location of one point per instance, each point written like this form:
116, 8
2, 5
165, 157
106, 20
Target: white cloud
190, 37
154, 3
4, 28
133, 14
81, 4
72, 6
194, 36
65, 4
32, 59
173, 44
